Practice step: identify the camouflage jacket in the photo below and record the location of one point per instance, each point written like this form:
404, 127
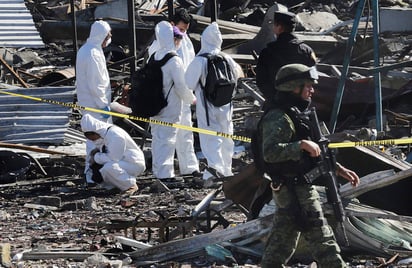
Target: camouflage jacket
278, 137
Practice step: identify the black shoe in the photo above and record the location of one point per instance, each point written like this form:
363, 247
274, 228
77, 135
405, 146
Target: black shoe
194, 174
91, 185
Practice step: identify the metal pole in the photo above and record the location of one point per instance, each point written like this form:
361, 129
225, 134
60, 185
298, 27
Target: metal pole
132, 41
170, 9
213, 10
74, 26
376, 64
345, 67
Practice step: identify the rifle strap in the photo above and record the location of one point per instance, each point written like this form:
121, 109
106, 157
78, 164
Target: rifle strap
206, 55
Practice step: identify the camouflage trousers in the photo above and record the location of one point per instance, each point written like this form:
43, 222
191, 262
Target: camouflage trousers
285, 233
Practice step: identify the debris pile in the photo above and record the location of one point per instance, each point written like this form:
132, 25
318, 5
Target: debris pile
49, 216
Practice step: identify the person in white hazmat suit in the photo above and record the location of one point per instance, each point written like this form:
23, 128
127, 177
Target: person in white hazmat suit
218, 151
188, 162
164, 137
92, 79
121, 158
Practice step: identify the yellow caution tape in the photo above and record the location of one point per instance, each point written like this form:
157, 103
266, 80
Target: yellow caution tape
148, 120
204, 131
370, 143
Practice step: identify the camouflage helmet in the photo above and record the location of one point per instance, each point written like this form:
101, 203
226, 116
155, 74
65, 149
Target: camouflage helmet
294, 75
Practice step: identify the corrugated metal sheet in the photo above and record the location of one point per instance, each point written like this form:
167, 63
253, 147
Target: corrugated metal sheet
17, 28
28, 121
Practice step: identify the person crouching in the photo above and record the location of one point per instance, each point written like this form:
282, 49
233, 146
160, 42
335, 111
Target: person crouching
121, 159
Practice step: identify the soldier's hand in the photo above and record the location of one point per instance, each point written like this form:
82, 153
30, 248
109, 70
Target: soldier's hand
348, 174
311, 147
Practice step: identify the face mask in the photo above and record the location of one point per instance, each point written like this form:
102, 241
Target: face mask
99, 142
108, 41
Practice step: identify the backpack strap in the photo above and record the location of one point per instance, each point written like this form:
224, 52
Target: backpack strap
162, 62
165, 59
167, 96
206, 108
208, 56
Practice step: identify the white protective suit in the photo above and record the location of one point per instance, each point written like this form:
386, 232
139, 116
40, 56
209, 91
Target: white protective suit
188, 162
164, 138
218, 151
123, 159
92, 79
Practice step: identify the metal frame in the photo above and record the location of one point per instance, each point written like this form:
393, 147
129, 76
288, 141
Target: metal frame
346, 62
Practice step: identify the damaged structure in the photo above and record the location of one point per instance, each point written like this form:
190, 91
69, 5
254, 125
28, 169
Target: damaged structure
60, 219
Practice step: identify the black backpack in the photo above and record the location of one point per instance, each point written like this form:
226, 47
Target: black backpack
220, 83
146, 98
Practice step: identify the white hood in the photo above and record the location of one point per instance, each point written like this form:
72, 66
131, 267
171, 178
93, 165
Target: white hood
211, 39
92, 78
98, 32
165, 39
91, 124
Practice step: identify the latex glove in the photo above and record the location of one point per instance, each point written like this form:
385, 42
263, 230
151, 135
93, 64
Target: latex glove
188, 97
120, 108
105, 116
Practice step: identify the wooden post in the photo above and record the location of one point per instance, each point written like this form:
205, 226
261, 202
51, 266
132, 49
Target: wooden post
8, 67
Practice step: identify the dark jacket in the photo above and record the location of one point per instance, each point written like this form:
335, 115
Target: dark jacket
286, 49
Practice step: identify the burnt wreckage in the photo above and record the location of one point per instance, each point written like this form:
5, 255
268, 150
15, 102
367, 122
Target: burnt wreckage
42, 159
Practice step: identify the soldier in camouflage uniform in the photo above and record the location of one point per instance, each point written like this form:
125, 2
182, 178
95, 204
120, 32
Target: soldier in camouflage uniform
287, 151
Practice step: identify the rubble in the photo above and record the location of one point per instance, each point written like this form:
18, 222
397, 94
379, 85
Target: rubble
50, 217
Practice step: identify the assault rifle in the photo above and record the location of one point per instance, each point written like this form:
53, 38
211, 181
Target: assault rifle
325, 171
